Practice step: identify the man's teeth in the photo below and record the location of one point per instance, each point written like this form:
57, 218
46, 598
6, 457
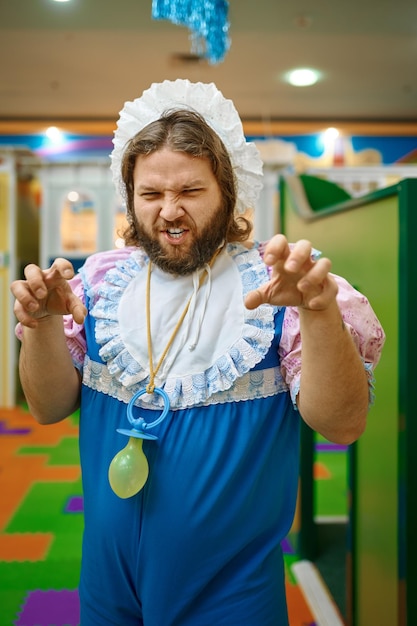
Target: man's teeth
177, 232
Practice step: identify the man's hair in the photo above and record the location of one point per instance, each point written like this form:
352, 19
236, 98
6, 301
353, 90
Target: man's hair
184, 131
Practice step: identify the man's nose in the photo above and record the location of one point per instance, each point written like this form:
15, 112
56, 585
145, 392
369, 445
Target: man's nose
171, 208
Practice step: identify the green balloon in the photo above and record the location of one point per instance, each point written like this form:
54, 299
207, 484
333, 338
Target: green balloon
129, 469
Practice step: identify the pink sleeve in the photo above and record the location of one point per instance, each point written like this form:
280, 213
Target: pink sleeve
359, 319
74, 332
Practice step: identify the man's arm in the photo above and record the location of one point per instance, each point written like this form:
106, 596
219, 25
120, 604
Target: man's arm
50, 382
334, 395
49, 379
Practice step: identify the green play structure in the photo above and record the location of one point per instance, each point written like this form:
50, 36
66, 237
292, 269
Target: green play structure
372, 242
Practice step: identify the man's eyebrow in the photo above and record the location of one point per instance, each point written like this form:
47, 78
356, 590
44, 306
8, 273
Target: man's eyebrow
191, 184
194, 183
144, 187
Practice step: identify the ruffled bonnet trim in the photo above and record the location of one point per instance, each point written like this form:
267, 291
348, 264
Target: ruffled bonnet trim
192, 389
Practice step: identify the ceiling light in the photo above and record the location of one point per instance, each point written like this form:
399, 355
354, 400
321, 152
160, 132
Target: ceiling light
54, 135
302, 77
61, 0
329, 138
73, 196
331, 133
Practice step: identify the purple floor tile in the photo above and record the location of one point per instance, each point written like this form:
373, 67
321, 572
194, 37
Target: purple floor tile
330, 447
287, 547
4, 430
75, 504
50, 608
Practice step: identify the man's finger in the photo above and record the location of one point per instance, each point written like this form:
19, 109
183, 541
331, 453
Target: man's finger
77, 309
254, 299
298, 256
24, 295
316, 275
276, 250
23, 316
35, 280
60, 268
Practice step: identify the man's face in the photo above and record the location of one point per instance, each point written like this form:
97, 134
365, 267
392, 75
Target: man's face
178, 210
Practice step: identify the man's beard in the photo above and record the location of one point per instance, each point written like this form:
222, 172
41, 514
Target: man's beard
174, 259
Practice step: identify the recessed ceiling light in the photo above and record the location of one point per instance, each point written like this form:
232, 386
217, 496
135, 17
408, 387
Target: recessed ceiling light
302, 77
61, 0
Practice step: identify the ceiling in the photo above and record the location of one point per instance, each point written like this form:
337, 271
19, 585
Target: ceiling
81, 60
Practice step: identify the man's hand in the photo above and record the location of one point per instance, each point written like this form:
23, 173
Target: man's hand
45, 293
296, 279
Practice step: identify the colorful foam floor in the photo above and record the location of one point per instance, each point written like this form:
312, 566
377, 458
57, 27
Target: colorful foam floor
41, 521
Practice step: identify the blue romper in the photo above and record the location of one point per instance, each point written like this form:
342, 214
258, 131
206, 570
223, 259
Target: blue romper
199, 545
